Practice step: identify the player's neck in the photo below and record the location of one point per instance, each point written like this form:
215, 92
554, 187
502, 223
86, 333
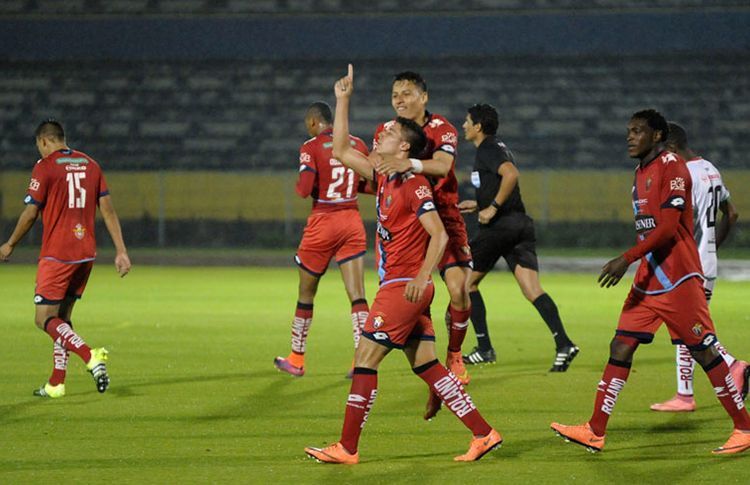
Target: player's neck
479, 139
54, 148
421, 119
651, 156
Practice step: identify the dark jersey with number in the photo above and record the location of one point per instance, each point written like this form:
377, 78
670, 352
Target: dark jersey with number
492, 153
67, 185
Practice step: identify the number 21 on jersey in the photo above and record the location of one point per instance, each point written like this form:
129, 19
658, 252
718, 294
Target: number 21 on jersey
339, 176
76, 193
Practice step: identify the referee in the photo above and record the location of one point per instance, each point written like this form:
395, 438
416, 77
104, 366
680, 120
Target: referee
504, 230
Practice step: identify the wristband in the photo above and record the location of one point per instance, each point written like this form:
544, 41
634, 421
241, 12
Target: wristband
416, 165
495, 204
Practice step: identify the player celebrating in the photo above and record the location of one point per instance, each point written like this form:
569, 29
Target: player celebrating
334, 229
409, 100
504, 230
667, 286
66, 187
709, 195
411, 241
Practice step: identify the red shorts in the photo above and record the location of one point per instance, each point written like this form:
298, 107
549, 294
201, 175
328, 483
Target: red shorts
458, 252
55, 281
683, 309
340, 234
393, 320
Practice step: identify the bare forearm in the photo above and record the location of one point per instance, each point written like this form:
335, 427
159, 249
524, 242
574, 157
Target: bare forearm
115, 231
342, 150
435, 250
437, 167
507, 184
25, 222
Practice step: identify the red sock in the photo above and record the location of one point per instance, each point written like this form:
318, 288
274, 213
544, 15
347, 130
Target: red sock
452, 393
361, 397
59, 364
614, 378
459, 322
360, 310
728, 393
61, 332
301, 326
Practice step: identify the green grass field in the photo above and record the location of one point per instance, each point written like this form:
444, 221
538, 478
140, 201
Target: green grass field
195, 397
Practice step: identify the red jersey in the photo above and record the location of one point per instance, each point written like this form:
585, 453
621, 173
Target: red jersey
441, 137
66, 185
402, 241
332, 186
663, 185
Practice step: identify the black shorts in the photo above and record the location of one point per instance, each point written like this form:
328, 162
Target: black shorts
511, 237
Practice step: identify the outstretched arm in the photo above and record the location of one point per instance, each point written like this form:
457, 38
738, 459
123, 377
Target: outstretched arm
122, 261
342, 149
25, 222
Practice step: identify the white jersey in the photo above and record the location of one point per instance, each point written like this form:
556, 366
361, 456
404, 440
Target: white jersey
708, 193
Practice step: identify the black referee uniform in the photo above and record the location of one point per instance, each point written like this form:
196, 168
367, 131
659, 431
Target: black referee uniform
510, 233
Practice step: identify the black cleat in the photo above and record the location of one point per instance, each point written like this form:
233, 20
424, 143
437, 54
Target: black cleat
479, 356
563, 358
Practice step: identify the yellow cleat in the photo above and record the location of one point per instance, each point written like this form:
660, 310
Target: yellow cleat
48, 390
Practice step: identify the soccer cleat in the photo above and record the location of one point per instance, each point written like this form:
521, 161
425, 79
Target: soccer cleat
563, 358
678, 404
454, 362
581, 435
48, 390
479, 356
285, 366
336, 453
741, 374
738, 442
433, 405
481, 446
98, 368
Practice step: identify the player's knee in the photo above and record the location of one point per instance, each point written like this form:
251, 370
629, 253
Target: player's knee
622, 348
706, 356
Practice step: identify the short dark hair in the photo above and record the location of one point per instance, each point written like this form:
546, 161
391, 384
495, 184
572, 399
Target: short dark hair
412, 134
655, 120
413, 77
50, 128
320, 110
486, 115
677, 136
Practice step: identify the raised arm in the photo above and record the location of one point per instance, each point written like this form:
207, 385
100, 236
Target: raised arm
342, 149
122, 261
25, 222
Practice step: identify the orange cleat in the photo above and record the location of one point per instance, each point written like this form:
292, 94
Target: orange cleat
738, 442
433, 405
582, 435
336, 453
455, 363
481, 446
678, 404
285, 365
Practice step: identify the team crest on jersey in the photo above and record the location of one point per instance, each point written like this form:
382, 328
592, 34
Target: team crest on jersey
79, 231
648, 184
377, 322
466, 250
34, 184
423, 191
697, 329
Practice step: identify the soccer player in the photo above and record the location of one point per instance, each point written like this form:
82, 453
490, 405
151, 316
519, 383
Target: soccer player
709, 195
66, 187
667, 288
411, 241
504, 230
409, 99
334, 229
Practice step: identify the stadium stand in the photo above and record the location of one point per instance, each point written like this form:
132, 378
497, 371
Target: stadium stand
557, 111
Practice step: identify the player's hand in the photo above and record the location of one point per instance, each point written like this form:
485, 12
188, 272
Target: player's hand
415, 289
613, 271
486, 214
344, 87
392, 165
467, 206
122, 264
5, 251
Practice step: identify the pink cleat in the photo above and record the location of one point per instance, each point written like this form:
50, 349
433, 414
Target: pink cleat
285, 366
678, 404
740, 371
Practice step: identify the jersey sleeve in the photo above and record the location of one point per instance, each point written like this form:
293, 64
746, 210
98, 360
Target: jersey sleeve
103, 189
419, 195
676, 183
38, 186
446, 139
307, 171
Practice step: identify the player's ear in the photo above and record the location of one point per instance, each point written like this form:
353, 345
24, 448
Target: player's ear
404, 146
